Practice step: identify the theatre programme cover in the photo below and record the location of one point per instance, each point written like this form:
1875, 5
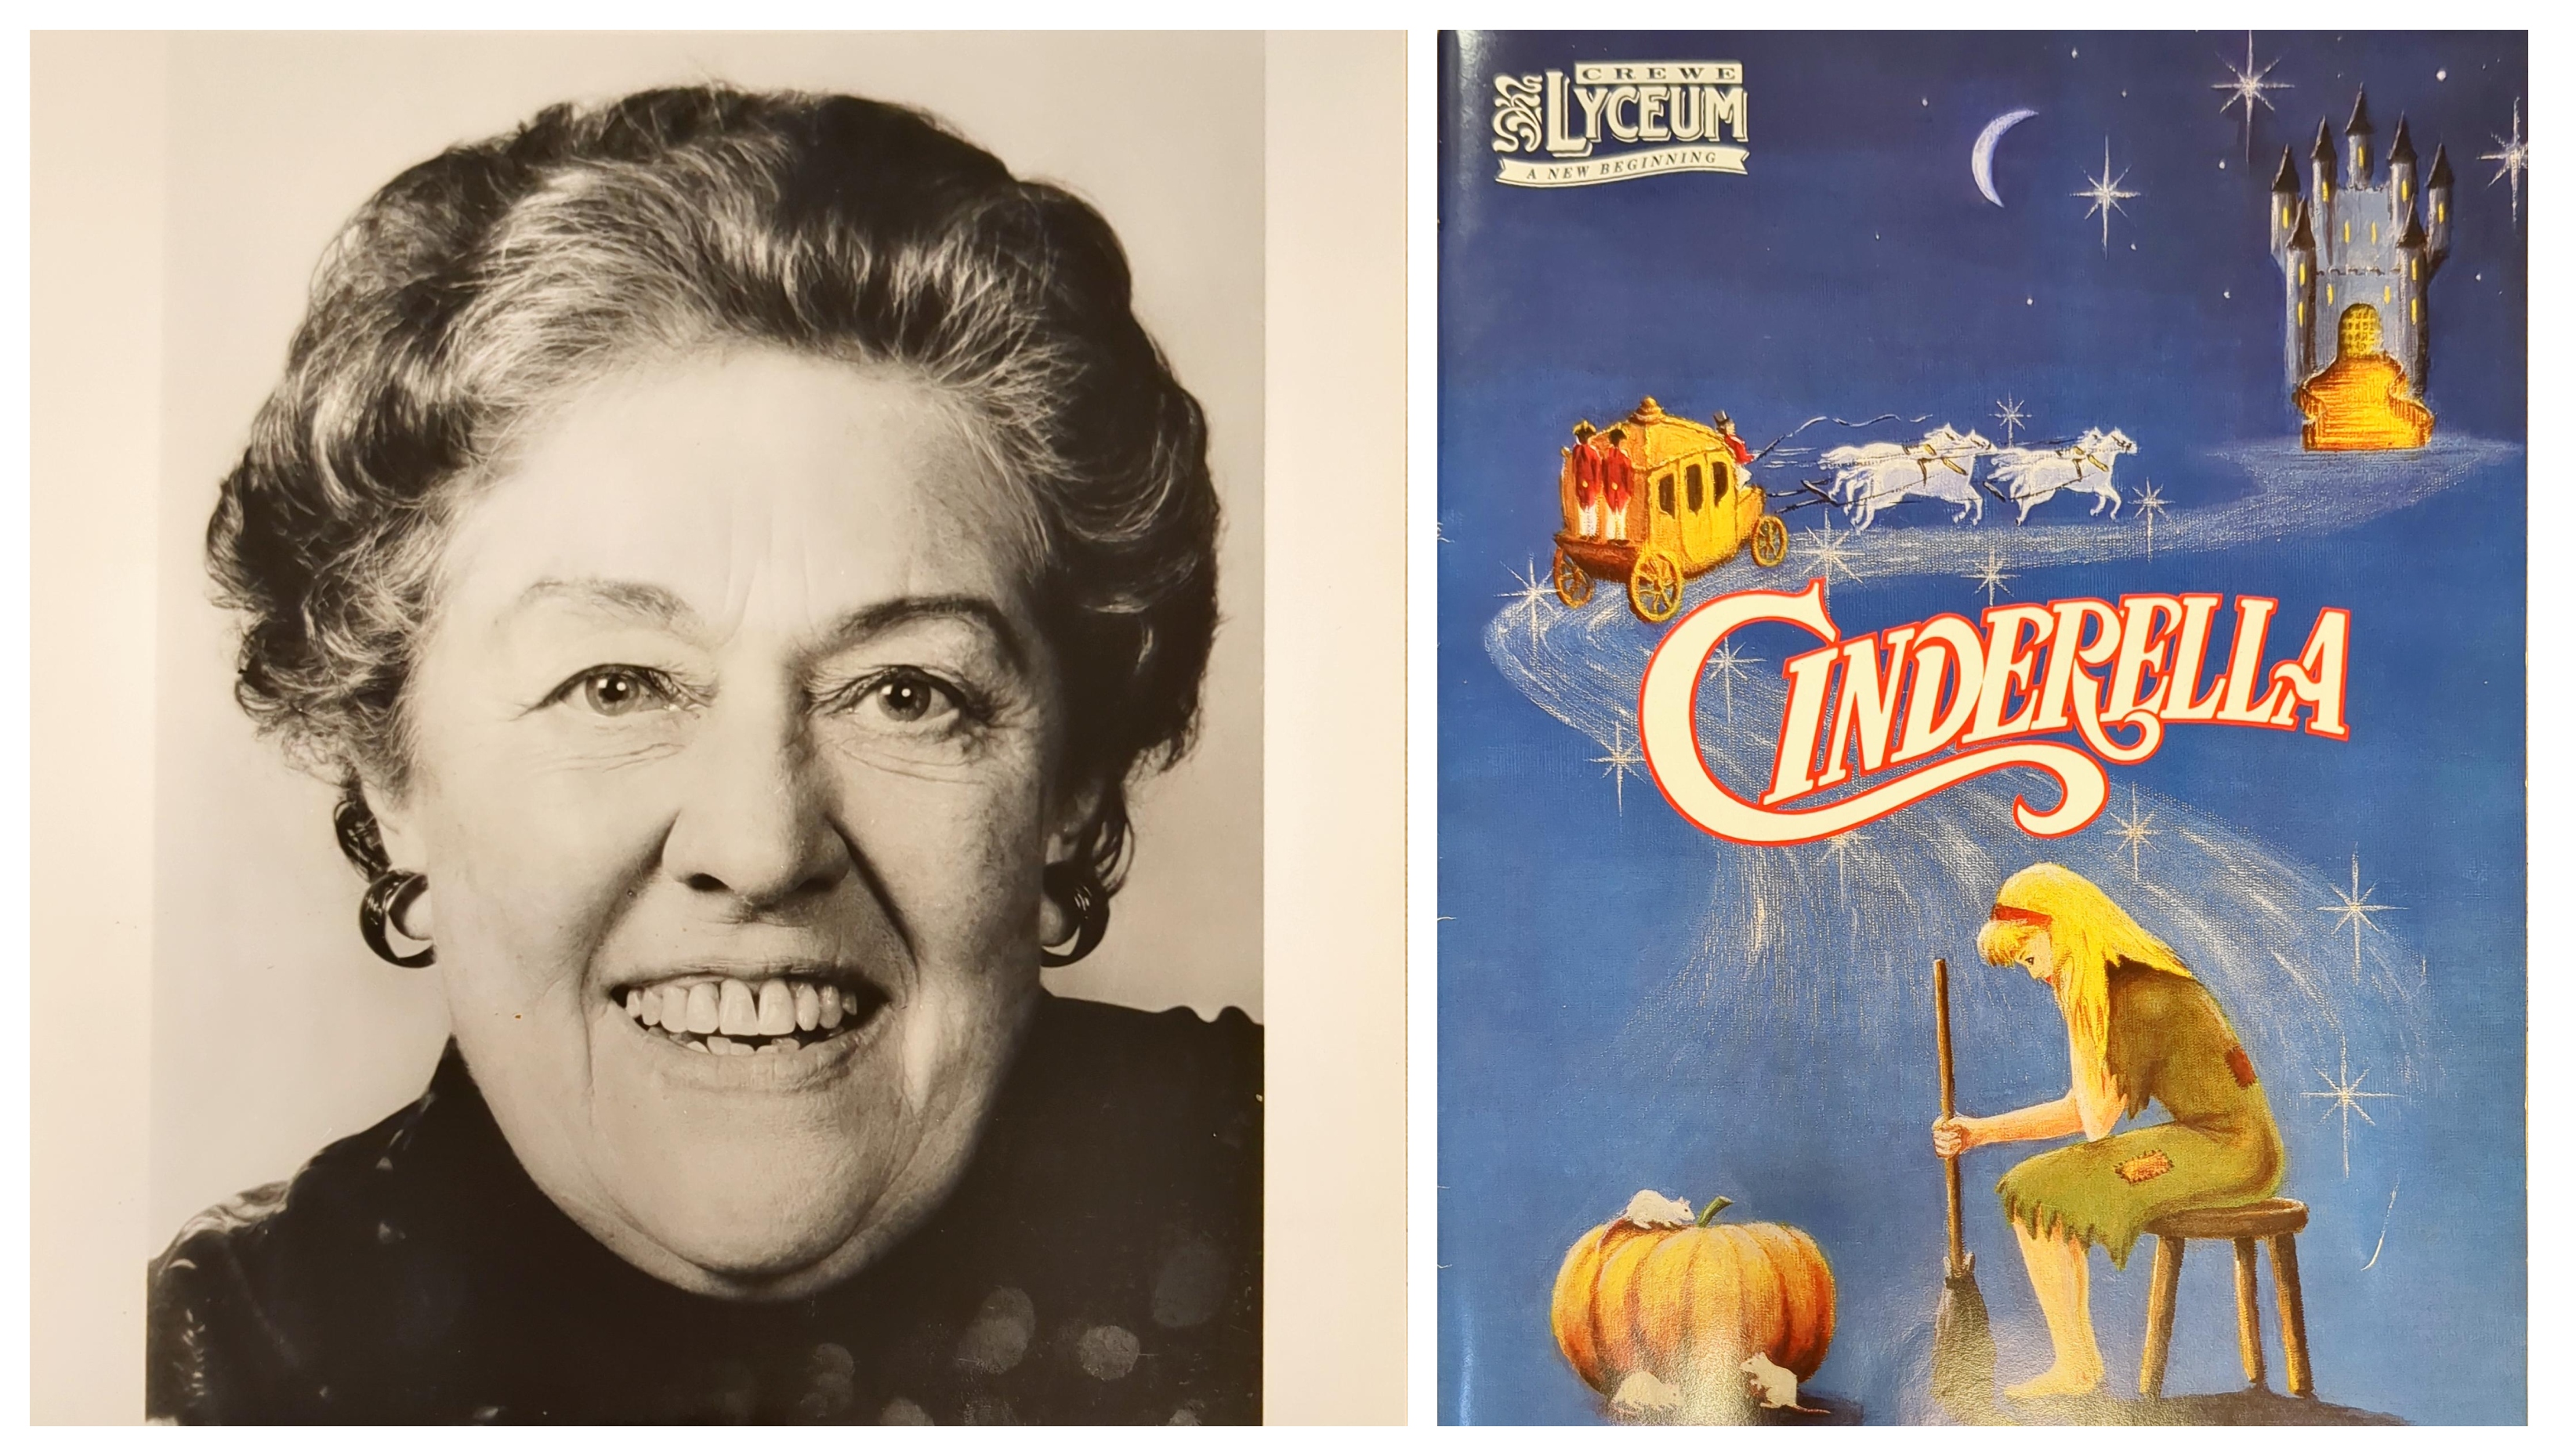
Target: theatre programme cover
1981, 706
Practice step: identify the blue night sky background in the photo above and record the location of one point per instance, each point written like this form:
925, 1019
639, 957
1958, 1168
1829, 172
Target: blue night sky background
1857, 272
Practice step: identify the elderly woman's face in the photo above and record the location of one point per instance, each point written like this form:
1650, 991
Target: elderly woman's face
734, 760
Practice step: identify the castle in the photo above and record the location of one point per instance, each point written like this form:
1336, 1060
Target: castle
2357, 240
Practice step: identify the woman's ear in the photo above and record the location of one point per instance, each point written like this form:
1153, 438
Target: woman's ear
1071, 821
403, 847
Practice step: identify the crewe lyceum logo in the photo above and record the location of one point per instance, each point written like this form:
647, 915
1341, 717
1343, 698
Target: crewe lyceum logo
1608, 120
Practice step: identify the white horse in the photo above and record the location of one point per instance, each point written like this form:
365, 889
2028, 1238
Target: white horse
2031, 477
1866, 479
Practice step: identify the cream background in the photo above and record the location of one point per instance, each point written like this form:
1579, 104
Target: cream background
158, 160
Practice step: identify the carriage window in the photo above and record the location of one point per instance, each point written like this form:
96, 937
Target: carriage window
1669, 494
1722, 480
1696, 490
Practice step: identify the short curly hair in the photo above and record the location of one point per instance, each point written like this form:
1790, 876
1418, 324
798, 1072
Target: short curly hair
491, 280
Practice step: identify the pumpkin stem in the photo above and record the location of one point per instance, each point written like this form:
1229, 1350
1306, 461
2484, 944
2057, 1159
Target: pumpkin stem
1712, 1209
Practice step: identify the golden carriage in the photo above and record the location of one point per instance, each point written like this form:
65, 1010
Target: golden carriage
1691, 513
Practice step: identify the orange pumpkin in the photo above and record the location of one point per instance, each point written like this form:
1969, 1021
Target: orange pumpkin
1636, 1297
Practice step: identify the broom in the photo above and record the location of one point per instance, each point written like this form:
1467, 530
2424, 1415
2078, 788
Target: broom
1963, 1374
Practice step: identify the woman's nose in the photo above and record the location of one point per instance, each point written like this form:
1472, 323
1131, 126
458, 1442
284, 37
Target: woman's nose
754, 823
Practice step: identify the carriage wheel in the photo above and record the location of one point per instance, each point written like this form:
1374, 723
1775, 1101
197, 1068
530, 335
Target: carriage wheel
1768, 542
1570, 583
1653, 585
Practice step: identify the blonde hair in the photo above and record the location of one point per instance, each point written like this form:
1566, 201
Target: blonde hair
2089, 933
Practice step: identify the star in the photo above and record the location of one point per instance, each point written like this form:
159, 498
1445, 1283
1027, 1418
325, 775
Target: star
2152, 506
2355, 910
2134, 832
2107, 189
1828, 550
1535, 591
2250, 85
1727, 665
1992, 576
2011, 413
2511, 157
1618, 760
1840, 848
2345, 1097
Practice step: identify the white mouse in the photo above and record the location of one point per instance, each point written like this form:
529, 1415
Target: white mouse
1651, 1210
1644, 1395
1775, 1385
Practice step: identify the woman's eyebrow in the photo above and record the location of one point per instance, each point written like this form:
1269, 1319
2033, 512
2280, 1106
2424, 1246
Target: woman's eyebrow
659, 607
654, 605
869, 622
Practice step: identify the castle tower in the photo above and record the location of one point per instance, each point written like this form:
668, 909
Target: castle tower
2402, 180
2406, 324
2300, 288
2322, 187
2358, 145
2438, 206
2287, 207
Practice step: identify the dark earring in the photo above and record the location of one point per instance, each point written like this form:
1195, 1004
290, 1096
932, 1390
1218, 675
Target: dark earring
385, 899
1087, 905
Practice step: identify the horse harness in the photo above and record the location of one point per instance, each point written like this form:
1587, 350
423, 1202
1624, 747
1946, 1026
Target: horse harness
1925, 453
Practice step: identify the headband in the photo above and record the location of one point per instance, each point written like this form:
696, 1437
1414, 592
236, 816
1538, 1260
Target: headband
2018, 912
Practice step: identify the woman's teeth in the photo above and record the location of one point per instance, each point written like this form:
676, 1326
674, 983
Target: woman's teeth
732, 1018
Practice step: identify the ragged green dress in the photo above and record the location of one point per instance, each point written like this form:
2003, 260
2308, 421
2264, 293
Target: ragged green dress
2167, 1041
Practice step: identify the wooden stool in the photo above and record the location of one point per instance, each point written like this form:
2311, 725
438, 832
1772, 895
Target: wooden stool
2277, 1219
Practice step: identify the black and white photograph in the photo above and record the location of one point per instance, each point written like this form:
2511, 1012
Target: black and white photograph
708, 765
718, 724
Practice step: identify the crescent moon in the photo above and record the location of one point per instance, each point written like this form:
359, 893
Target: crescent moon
1988, 144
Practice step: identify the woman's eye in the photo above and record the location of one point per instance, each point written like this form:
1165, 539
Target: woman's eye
911, 701
615, 691
907, 702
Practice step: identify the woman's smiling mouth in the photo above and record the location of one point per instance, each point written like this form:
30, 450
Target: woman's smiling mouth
730, 1016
